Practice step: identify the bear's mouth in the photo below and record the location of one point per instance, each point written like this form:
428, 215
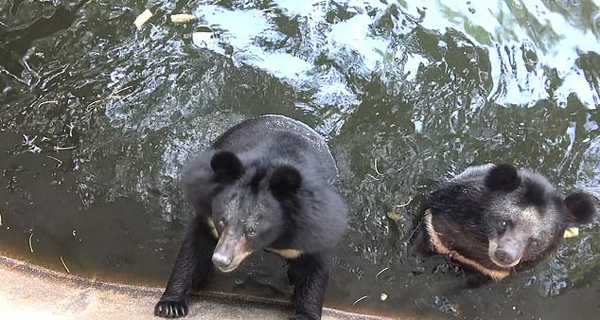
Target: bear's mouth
500, 264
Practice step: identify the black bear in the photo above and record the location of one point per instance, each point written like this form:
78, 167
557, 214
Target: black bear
495, 220
267, 183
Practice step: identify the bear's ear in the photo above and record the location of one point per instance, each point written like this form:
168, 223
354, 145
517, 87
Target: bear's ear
502, 177
286, 180
581, 208
226, 165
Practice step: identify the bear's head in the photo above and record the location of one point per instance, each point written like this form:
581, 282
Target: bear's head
247, 206
524, 217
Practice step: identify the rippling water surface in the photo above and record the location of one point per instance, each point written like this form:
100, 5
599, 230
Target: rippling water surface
98, 117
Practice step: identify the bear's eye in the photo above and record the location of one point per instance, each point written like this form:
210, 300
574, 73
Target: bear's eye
502, 226
251, 232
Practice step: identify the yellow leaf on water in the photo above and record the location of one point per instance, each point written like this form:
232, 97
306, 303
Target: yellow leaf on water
394, 215
571, 232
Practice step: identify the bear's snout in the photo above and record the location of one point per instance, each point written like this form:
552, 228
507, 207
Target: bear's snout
231, 250
221, 261
506, 251
505, 257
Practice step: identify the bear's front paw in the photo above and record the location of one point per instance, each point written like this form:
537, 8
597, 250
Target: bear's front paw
171, 308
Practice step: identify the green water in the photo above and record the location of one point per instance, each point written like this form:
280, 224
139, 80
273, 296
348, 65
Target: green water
97, 119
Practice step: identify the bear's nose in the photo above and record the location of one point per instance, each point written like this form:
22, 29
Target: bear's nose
221, 261
505, 257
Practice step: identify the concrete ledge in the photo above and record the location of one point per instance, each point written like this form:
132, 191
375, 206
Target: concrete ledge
31, 292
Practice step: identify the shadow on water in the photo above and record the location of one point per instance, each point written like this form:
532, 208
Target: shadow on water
97, 119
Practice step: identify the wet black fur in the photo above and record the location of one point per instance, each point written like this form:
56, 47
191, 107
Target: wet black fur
584, 204
460, 207
261, 155
502, 177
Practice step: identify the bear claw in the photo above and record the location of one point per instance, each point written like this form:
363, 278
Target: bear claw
171, 309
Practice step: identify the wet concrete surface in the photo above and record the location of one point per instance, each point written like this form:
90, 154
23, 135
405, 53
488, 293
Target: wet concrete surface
31, 292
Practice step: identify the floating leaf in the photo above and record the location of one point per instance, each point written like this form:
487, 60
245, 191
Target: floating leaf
571, 232
383, 297
394, 215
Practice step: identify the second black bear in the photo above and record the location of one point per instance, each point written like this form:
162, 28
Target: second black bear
496, 220
267, 183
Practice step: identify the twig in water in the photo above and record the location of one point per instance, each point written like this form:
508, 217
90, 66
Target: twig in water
48, 102
119, 91
57, 148
55, 159
404, 205
64, 265
380, 272
93, 103
377, 169
371, 176
359, 300
30, 246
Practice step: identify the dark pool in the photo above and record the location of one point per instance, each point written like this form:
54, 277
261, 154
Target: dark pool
97, 119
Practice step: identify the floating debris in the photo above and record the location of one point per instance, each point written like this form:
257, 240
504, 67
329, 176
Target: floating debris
115, 93
404, 205
380, 272
57, 148
571, 232
383, 297
142, 19
359, 300
182, 18
112, 94
94, 103
30, 246
30, 144
0, 218
377, 169
55, 102
56, 159
64, 265
372, 177
394, 215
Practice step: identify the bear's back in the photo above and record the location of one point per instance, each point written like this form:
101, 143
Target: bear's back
248, 134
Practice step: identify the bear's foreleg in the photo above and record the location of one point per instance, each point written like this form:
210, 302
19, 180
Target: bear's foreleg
309, 274
192, 267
